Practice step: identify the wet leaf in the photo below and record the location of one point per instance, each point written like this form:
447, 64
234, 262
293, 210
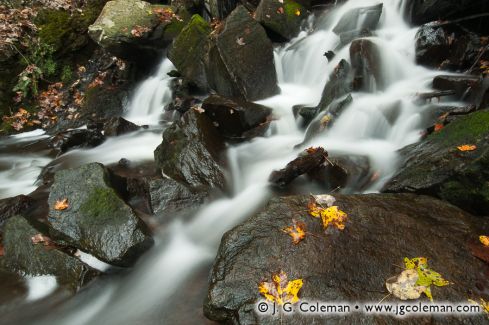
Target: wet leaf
482, 303
297, 231
329, 214
438, 127
404, 285
297, 12
41, 239
61, 205
280, 10
280, 290
484, 240
467, 147
426, 276
240, 41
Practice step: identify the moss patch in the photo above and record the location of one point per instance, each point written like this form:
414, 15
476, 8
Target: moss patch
469, 129
102, 205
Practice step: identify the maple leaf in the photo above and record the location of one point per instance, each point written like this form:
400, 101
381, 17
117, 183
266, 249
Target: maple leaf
240, 41
296, 231
280, 290
41, 239
426, 276
484, 240
438, 127
61, 205
330, 215
404, 285
467, 147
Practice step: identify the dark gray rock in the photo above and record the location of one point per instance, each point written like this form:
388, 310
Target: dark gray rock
282, 19
240, 59
12, 206
97, 220
366, 63
24, 257
436, 167
191, 152
339, 85
349, 265
75, 139
116, 126
234, 117
220, 9
359, 18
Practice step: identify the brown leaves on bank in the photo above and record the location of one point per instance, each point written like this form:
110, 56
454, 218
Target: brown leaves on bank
280, 289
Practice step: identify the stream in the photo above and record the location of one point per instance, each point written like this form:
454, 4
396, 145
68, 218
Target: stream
170, 281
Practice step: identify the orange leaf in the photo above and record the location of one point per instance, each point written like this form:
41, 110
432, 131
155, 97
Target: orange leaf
296, 231
438, 127
41, 239
280, 290
484, 240
467, 147
61, 205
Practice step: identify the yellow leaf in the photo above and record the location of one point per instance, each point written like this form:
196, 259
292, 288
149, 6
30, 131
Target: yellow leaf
333, 216
484, 240
296, 231
467, 147
484, 305
61, 205
280, 290
297, 12
426, 276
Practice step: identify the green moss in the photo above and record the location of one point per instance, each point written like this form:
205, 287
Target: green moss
290, 9
469, 129
103, 204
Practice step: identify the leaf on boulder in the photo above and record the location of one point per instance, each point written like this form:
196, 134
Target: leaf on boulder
426, 276
467, 147
280, 290
404, 285
330, 215
297, 231
484, 240
41, 239
61, 205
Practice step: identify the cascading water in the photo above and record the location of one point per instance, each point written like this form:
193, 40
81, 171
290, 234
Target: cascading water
375, 125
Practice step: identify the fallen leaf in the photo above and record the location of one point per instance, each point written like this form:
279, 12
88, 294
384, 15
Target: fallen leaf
240, 41
404, 285
484, 240
426, 276
467, 147
331, 215
483, 304
41, 239
280, 10
324, 199
438, 127
296, 231
297, 12
280, 290
61, 205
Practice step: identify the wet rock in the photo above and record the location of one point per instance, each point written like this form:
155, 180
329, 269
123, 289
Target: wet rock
13, 206
188, 51
135, 30
191, 152
339, 85
423, 11
234, 117
359, 18
349, 265
436, 167
347, 37
170, 198
97, 220
366, 63
240, 60
75, 139
446, 46
12, 288
24, 257
116, 126
462, 85
306, 162
220, 9
281, 19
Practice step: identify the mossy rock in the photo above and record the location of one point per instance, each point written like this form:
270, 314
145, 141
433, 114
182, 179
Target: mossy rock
136, 30
188, 51
282, 19
24, 257
97, 220
437, 167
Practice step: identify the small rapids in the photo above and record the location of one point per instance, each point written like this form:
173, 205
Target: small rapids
375, 125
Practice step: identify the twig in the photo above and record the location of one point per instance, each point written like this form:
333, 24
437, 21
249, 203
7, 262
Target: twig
478, 58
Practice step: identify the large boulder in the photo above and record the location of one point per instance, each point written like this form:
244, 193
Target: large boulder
233, 118
240, 59
348, 265
96, 219
188, 51
136, 30
191, 152
220, 9
359, 19
281, 18
437, 167
75, 139
338, 85
366, 63
446, 46
28, 252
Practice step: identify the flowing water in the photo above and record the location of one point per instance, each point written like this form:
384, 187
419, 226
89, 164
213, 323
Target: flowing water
376, 124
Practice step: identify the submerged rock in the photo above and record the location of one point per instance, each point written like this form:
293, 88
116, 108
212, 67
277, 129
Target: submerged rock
188, 51
191, 152
97, 220
25, 257
359, 18
349, 265
233, 118
281, 18
135, 30
367, 64
74, 139
240, 60
116, 126
435, 166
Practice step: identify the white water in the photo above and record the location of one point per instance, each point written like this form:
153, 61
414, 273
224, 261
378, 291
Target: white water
363, 129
